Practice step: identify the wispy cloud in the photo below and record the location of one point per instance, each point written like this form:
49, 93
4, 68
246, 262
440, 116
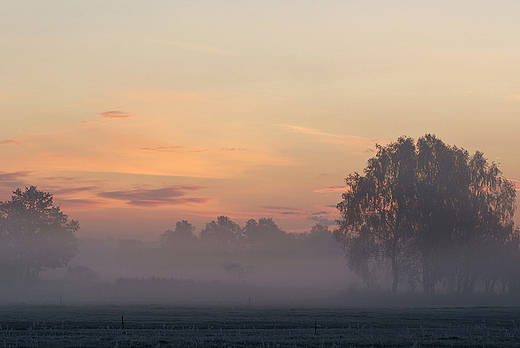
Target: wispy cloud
74, 190
234, 149
194, 47
10, 142
172, 195
13, 177
115, 114
331, 189
324, 216
276, 207
327, 137
77, 203
162, 148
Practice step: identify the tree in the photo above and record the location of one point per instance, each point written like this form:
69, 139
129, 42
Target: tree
427, 210
222, 235
319, 242
377, 209
181, 236
265, 237
236, 270
34, 234
180, 246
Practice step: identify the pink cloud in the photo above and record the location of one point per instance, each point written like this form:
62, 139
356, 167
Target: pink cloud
332, 189
114, 114
10, 142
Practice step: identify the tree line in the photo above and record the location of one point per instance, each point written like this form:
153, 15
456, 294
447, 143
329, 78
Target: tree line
236, 249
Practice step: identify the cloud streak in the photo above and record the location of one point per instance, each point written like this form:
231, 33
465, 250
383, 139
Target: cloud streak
162, 148
331, 189
114, 114
10, 142
172, 195
13, 177
328, 137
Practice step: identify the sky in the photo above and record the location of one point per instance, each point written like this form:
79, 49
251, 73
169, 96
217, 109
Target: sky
137, 114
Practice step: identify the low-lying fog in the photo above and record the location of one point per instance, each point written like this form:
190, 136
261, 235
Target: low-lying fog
222, 263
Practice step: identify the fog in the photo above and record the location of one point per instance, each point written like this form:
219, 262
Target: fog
224, 263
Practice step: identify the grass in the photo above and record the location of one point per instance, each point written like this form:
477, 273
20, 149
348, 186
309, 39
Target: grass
166, 326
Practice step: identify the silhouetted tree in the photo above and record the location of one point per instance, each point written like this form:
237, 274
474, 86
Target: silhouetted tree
222, 235
378, 209
181, 236
34, 234
265, 236
464, 216
428, 209
179, 247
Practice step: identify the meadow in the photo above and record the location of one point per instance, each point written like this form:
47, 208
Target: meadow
170, 326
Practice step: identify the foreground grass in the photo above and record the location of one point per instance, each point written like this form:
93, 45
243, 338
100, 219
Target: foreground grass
163, 326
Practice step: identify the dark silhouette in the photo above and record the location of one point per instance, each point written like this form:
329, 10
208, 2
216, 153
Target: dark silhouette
264, 237
181, 235
34, 234
430, 212
222, 236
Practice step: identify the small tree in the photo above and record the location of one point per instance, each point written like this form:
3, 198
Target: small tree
237, 271
34, 234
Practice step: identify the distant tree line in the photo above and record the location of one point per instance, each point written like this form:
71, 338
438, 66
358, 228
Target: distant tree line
234, 248
431, 215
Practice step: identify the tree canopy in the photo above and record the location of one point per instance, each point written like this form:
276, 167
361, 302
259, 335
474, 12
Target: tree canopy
426, 211
34, 234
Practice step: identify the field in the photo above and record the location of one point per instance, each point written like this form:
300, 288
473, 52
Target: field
166, 326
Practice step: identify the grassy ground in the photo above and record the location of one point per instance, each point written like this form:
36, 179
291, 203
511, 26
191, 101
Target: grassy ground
163, 326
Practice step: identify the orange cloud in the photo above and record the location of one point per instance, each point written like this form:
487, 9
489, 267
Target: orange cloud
162, 148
